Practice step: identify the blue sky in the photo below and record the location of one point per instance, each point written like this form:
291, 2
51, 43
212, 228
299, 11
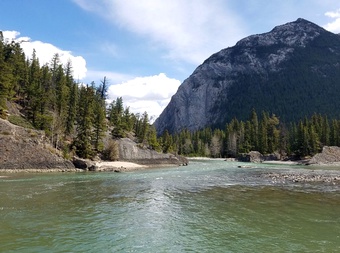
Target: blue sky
146, 48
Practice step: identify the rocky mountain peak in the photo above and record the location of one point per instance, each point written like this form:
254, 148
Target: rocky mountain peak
297, 33
292, 71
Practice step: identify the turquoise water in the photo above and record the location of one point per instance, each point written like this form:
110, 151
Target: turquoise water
208, 206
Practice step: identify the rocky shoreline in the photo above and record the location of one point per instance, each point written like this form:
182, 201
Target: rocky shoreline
32, 170
304, 177
28, 150
100, 166
330, 155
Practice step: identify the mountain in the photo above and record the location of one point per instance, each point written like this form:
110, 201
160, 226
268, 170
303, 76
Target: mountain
292, 71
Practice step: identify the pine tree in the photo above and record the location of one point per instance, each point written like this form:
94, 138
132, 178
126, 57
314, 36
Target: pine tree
44, 117
34, 90
128, 120
72, 106
167, 142
273, 134
143, 128
6, 77
99, 122
254, 131
152, 139
83, 141
115, 117
325, 134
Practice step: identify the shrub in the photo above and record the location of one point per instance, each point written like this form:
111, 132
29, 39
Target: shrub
111, 152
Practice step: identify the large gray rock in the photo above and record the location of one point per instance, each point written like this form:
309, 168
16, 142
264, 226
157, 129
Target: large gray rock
84, 164
329, 155
252, 157
130, 151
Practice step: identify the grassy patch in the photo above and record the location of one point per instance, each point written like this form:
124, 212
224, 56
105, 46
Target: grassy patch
20, 121
5, 133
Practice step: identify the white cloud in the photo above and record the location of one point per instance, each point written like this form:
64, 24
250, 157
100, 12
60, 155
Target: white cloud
333, 14
45, 52
149, 94
188, 30
112, 77
333, 26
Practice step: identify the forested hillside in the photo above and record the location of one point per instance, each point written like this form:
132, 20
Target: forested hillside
74, 116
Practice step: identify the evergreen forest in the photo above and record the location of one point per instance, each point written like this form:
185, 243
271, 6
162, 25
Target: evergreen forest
264, 133
78, 120
75, 117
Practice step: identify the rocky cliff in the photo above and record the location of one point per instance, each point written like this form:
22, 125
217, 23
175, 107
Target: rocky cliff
292, 71
26, 149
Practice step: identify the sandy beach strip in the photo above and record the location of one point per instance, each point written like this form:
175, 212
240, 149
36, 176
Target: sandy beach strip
283, 162
118, 166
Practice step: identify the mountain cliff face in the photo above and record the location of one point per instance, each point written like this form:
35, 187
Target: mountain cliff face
292, 71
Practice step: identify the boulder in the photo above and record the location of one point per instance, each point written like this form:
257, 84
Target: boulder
132, 152
84, 164
329, 155
252, 156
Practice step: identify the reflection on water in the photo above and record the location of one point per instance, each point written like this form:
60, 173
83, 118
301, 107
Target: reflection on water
208, 206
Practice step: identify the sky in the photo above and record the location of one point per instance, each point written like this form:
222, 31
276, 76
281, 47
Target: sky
147, 48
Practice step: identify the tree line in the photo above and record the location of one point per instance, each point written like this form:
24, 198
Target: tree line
75, 117
264, 133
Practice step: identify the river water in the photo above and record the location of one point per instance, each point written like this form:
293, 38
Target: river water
207, 206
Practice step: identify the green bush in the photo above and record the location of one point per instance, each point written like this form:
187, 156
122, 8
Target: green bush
19, 121
111, 152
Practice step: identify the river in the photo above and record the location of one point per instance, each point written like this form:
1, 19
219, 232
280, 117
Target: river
207, 206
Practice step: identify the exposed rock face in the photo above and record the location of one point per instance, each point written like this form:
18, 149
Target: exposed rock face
24, 149
84, 164
252, 157
329, 155
274, 72
129, 151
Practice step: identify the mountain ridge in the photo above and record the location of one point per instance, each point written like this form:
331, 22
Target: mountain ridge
289, 71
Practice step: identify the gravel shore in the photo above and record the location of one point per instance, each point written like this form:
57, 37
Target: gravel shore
305, 176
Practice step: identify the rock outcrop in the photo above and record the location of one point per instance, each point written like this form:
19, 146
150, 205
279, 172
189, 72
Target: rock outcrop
329, 155
252, 157
26, 149
23, 149
130, 151
296, 65
257, 157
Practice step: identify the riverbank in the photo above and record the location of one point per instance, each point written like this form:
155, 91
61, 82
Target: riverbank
116, 166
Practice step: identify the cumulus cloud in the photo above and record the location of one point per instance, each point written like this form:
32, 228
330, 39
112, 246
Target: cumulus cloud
111, 77
149, 94
188, 30
333, 26
45, 52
